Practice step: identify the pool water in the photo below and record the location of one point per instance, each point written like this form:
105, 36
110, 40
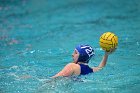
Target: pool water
37, 38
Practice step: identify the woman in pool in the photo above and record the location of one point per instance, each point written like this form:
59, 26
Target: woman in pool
81, 56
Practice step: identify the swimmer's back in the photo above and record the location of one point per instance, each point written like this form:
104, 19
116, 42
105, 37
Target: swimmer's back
80, 69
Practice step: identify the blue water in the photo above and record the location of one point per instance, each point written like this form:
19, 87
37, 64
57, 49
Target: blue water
37, 38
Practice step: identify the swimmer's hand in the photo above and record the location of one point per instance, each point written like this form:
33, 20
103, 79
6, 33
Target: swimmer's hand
111, 51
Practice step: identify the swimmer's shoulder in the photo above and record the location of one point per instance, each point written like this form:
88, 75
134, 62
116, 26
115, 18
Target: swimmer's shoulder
73, 65
76, 68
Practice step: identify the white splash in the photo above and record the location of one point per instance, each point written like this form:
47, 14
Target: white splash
32, 51
138, 43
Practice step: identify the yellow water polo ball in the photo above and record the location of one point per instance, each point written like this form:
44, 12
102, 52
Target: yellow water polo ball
108, 40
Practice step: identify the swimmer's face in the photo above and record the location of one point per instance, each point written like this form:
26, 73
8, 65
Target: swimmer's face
75, 56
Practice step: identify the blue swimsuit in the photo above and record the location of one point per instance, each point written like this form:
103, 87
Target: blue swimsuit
85, 69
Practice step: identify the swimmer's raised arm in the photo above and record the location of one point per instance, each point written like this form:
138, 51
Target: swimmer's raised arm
104, 61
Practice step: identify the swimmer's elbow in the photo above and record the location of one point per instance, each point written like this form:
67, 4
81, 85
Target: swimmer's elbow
95, 69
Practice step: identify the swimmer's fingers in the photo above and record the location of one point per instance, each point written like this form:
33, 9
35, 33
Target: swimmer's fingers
111, 51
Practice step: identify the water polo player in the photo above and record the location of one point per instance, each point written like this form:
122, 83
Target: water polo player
81, 57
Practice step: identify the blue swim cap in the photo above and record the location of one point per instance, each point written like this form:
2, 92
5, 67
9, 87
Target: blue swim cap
85, 53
